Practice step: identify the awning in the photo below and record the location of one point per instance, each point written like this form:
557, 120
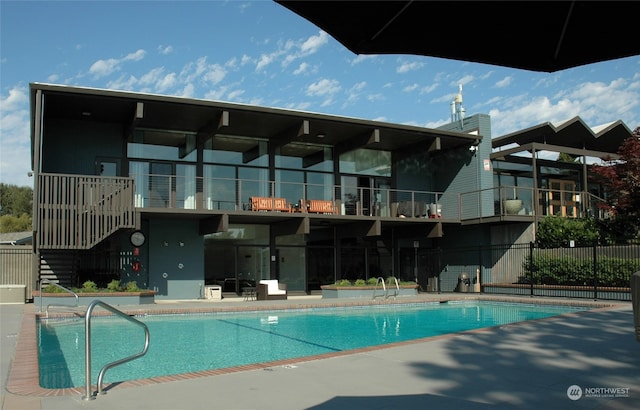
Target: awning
533, 35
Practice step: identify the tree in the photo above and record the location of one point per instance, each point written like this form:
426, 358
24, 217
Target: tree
557, 232
621, 179
15, 208
11, 223
15, 200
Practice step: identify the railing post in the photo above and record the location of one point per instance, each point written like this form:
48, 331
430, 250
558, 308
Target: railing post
531, 245
87, 354
595, 269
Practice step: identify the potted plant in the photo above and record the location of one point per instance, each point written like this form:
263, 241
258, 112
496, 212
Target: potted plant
513, 205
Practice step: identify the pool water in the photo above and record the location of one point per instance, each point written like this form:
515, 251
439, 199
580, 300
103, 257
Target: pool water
190, 343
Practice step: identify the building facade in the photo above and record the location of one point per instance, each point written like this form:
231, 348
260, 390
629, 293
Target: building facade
177, 194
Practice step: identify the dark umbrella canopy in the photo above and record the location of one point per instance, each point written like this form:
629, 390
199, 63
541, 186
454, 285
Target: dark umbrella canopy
533, 35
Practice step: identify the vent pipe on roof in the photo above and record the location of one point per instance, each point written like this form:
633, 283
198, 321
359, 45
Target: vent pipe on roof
457, 110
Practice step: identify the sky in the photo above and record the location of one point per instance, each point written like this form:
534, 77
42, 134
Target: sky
260, 53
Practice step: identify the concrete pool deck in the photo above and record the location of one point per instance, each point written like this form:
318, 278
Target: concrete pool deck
529, 365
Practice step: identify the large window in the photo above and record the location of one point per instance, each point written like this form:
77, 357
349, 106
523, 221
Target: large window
220, 187
366, 162
235, 150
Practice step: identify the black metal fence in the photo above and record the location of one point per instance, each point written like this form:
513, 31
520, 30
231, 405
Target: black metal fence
595, 272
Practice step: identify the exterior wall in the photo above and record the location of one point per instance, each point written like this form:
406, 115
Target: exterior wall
176, 259
513, 233
473, 171
72, 147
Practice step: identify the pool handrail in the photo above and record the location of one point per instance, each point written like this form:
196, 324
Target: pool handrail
53, 304
87, 343
384, 287
380, 279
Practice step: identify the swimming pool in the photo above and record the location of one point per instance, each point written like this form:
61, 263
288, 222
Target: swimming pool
196, 342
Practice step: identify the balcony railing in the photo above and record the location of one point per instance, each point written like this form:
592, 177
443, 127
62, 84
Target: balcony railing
526, 201
225, 194
79, 211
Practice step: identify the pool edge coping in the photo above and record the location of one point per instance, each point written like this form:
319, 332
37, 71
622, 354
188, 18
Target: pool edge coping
24, 379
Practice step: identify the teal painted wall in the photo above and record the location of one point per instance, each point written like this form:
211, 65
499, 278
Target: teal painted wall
71, 147
176, 259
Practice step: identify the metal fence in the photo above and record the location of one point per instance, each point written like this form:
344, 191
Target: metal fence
598, 272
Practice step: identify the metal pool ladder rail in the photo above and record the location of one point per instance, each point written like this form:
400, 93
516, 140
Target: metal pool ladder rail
87, 343
53, 304
384, 287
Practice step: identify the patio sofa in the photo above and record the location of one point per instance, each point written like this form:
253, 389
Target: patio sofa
271, 289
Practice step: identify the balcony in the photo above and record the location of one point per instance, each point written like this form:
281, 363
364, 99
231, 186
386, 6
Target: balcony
236, 195
525, 202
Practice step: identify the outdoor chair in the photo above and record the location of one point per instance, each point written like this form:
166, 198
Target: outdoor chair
271, 289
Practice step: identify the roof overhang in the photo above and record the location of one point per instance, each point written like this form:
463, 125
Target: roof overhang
533, 35
179, 116
572, 137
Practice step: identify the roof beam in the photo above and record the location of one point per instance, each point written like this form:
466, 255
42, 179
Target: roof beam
360, 229
536, 146
358, 141
290, 134
216, 124
297, 226
216, 223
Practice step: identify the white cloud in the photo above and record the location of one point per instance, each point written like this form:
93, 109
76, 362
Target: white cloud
363, 57
323, 87
302, 68
164, 50
313, 43
428, 88
304, 48
135, 56
353, 94
235, 95
15, 137
245, 60
102, 68
264, 60
166, 82
406, 66
504, 82
411, 87
215, 73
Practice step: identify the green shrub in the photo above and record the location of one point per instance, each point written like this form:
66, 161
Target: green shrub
372, 281
52, 289
360, 282
114, 286
344, 282
89, 287
132, 287
553, 270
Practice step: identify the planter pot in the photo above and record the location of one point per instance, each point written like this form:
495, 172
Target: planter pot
512, 206
84, 299
334, 292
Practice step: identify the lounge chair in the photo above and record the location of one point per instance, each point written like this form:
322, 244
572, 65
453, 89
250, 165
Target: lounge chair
271, 289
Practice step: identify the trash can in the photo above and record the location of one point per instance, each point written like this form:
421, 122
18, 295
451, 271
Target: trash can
213, 292
463, 282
